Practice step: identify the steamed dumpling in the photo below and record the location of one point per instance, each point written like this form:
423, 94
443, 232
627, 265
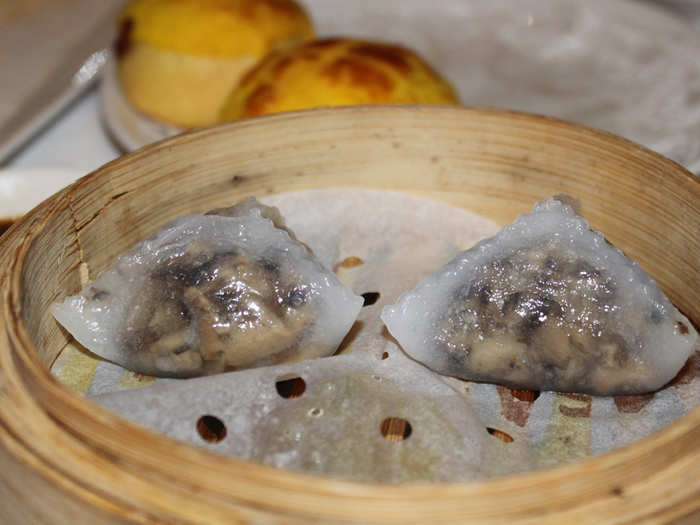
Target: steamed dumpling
228, 290
546, 304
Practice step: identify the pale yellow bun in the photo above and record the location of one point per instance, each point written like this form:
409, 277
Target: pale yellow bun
336, 72
177, 60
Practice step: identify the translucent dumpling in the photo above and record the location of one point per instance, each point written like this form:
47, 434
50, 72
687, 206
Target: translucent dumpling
204, 294
546, 304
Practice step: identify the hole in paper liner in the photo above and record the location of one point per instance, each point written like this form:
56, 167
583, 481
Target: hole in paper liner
395, 429
348, 262
211, 429
316, 412
385, 355
525, 395
506, 438
290, 388
370, 298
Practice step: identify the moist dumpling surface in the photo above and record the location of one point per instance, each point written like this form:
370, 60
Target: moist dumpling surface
205, 294
546, 304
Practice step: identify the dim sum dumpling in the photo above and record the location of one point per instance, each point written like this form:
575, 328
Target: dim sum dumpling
204, 294
546, 304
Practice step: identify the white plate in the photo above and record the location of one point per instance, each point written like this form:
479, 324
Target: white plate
622, 66
21, 190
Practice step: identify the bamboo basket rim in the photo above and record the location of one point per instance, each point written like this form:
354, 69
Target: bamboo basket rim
26, 382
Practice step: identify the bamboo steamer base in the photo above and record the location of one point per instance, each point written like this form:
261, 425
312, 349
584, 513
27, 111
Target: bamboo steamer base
65, 460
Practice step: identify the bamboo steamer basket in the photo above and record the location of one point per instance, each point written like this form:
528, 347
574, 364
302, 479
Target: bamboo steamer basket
63, 459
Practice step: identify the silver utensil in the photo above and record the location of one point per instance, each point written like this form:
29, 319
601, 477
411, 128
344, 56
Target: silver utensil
21, 129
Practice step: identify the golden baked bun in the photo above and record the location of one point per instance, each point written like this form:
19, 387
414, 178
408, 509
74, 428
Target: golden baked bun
336, 72
177, 60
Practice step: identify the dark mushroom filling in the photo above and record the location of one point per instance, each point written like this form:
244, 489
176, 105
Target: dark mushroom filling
204, 312
539, 318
